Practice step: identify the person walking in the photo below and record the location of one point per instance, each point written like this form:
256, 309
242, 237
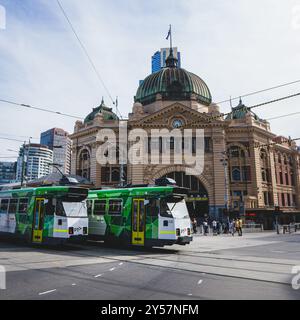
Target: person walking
214, 226
237, 226
205, 226
240, 227
232, 227
194, 223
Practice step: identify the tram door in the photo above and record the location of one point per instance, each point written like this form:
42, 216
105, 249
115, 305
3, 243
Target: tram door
38, 220
138, 222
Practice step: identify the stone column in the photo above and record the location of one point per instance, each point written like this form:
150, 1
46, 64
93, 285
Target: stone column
219, 147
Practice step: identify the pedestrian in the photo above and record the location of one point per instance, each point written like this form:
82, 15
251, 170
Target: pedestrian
232, 227
214, 226
240, 227
205, 226
194, 223
218, 228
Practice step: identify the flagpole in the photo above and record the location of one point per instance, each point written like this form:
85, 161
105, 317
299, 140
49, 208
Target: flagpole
171, 43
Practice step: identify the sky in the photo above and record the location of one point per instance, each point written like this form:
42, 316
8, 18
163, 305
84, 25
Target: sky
236, 47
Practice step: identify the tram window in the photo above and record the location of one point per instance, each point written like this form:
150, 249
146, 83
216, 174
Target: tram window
89, 205
4, 205
50, 207
135, 212
152, 208
115, 206
99, 207
23, 205
142, 215
164, 209
60, 211
13, 206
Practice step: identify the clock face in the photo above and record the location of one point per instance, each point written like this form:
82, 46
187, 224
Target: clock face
177, 123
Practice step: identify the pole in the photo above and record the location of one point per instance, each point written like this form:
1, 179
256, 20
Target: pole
23, 164
171, 42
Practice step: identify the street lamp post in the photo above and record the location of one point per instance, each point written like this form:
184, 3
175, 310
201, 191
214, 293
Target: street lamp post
224, 162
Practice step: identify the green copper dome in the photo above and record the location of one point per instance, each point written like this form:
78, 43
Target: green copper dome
103, 110
173, 83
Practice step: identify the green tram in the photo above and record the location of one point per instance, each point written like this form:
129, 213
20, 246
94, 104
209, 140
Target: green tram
139, 216
51, 215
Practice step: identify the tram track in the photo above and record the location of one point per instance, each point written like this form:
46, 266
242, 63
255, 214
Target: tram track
159, 258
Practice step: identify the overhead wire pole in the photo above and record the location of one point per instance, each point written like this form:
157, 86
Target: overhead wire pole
87, 55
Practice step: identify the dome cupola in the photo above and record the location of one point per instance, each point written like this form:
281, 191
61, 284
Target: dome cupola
102, 110
173, 83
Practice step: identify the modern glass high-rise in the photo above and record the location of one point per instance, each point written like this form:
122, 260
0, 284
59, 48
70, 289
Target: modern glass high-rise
37, 159
159, 58
7, 172
58, 141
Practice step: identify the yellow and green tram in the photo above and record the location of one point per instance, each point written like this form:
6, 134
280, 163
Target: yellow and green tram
140, 216
51, 215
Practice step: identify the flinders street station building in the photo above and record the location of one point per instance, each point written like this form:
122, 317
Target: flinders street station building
248, 170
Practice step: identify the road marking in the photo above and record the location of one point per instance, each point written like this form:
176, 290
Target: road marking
46, 292
98, 276
199, 282
120, 264
73, 284
190, 294
112, 269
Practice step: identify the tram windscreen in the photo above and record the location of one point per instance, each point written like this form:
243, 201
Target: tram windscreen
174, 207
179, 209
71, 209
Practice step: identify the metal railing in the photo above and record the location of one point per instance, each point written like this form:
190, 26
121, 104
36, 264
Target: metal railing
288, 228
253, 227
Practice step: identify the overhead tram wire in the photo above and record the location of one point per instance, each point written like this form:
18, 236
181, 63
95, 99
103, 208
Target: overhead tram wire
209, 119
10, 139
254, 106
88, 57
40, 109
260, 91
17, 136
283, 116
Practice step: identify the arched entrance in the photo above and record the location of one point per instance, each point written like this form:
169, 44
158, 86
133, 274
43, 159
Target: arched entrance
197, 200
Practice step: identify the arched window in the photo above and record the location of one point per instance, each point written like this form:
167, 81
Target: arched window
84, 165
236, 174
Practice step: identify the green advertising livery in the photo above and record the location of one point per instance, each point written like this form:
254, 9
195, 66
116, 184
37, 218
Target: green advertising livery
139, 216
51, 215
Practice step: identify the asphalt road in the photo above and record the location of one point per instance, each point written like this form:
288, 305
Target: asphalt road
256, 266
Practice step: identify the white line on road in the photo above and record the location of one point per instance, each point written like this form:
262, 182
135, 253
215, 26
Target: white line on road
120, 264
73, 284
112, 269
199, 282
190, 294
98, 276
46, 292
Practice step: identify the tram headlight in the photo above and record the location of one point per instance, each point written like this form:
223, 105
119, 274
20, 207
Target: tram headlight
189, 231
71, 230
177, 232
